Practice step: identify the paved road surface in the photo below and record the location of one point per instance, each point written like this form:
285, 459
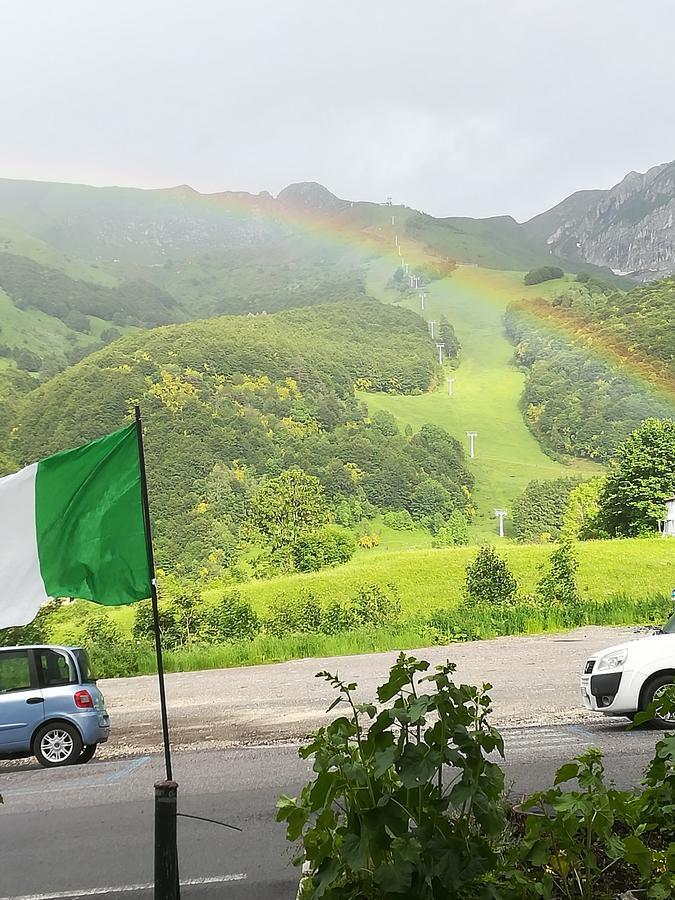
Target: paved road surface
87, 831
535, 678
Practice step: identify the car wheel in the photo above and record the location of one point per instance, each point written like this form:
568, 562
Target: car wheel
87, 753
57, 744
654, 692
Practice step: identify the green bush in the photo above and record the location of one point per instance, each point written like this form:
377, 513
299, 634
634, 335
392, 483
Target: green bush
558, 586
373, 606
337, 618
399, 520
543, 273
488, 578
405, 802
231, 619
383, 818
452, 533
298, 615
330, 545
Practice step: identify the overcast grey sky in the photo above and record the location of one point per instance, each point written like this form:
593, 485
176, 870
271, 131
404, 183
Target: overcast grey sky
457, 107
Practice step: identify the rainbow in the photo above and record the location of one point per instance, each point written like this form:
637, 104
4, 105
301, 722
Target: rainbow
376, 230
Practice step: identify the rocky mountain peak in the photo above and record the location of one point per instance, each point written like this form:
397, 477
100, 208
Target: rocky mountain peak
310, 196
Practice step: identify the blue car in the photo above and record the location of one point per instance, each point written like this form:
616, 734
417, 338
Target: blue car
50, 706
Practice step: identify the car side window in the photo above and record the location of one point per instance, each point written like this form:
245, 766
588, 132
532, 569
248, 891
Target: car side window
55, 668
14, 671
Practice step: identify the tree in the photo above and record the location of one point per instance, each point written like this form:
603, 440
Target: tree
488, 579
329, 545
540, 508
558, 586
581, 518
285, 508
448, 337
641, 477
431, 497
453, 533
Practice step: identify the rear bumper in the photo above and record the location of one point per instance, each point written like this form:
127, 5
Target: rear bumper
94, 726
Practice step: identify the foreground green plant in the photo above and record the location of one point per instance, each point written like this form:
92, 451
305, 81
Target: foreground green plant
385, 816
404, 803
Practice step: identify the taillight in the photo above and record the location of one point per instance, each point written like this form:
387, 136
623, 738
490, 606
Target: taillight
83, 700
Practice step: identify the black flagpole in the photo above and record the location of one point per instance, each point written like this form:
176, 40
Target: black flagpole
153, 589
167, 883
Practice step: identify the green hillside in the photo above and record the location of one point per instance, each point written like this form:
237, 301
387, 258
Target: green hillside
598, 362
228, 401
486, 390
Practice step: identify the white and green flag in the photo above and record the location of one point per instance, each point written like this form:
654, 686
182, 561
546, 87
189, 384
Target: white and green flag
72, 525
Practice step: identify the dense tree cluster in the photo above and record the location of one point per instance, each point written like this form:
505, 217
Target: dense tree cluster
133, 302
232, 403
574, 402
543, 273
539, 511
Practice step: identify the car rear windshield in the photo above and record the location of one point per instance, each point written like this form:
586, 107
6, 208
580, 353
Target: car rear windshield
84, 663
669, 627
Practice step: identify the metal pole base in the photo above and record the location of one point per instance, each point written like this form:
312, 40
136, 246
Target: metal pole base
167, 886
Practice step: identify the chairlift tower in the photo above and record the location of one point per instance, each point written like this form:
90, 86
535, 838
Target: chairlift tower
472, 435
450, 382
431, 326
501, 514
440, 348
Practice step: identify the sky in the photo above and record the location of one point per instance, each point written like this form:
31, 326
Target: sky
455, 107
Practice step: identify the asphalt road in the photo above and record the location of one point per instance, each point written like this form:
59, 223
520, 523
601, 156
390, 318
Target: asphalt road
87, 831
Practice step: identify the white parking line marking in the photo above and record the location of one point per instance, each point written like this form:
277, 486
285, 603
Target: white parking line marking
126, 889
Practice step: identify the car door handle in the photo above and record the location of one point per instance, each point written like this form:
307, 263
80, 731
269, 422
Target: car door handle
35, 700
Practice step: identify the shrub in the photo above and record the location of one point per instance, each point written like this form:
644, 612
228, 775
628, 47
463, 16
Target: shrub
453, 533
373, 607
368, 541
112, 655
558, 586
232, 619
330, 545
543, 273
337, 618
488, 578
300, 615
383, 818
399, 520
405, 802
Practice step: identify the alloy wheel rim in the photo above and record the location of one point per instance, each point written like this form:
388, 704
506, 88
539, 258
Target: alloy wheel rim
56, 745
659, 694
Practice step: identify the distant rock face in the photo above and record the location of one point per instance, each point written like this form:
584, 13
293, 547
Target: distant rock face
630, 228
311, 196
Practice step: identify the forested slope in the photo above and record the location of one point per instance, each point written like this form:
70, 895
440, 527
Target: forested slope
599, 362
230, 400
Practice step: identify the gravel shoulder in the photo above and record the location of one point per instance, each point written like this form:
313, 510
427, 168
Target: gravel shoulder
535, 681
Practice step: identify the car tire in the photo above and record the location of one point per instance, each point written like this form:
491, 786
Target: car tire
87, 753
57, 744
650, 695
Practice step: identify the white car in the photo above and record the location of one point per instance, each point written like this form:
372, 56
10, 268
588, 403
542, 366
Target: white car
623, 680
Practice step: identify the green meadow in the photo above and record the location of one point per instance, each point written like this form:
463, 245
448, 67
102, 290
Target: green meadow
426, 580
486, 391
